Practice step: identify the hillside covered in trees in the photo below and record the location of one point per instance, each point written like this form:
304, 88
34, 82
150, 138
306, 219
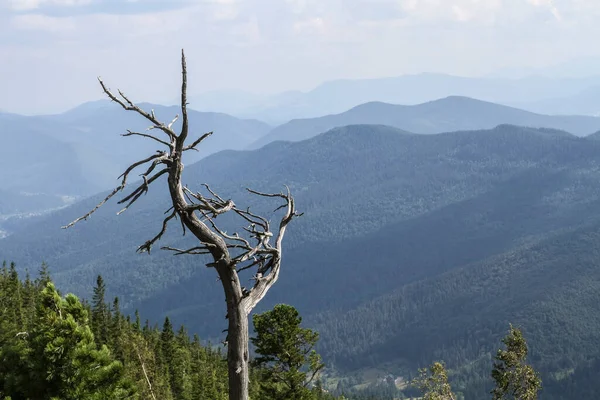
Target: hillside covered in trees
342, 200
408, 236
58, 347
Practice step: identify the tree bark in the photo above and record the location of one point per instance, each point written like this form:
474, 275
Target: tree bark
237, 352
237, 333
196, 213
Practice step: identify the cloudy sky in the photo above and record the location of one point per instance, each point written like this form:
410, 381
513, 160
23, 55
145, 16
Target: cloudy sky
51, 51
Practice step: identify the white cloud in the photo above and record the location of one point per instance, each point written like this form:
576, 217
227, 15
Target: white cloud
433, 11
549, 4
310, 26
40, 22
24, 5
88, 28
271, 45
461, 14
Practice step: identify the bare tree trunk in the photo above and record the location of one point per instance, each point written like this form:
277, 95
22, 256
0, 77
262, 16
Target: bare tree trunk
237, 334
237, 353
197, 213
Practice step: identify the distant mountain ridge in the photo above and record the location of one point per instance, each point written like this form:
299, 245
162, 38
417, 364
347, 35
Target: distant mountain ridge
334, 97
81, 151
452, 113
586, 102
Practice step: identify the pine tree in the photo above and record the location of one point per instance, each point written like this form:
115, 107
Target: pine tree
433, 382
285, 351
43, 276
181, 367
59, 358
167, 338
116, 329
15, 289
53, 353
29, 298
100, 313
513, 377
137, 325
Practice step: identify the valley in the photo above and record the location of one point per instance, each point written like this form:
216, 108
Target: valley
403, 234
299, 200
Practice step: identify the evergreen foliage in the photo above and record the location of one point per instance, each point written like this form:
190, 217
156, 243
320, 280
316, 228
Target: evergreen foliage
514, 378
49, 350
286, 350
52, 354
433, 382
100, 312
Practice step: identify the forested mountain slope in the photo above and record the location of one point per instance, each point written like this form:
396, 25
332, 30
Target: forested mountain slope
12, 203
549, 286
408, 235
452, 113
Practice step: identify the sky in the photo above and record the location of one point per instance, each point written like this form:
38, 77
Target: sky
51, 51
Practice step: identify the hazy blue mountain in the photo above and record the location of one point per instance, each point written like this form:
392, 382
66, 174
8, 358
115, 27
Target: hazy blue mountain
586, 102
81, 151
404, 234
337, 96
36, 162
247, 105
572, 68
85, 110
448, 114
96, 130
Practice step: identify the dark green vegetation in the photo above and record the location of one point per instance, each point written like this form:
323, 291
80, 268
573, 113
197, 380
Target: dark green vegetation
55, 347
433, 383
413, 248
445, 115
287, 350
514, 378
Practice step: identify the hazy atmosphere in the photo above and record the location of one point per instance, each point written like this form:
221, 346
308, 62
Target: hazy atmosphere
300, 200
49, 47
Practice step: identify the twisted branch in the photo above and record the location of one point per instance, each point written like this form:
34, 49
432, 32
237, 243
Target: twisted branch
148, 245
130, 133
132, 107
262, 246
197, 142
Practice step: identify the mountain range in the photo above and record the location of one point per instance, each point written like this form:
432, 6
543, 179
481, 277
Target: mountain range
334, 97
454, 215
452, 113
80, 152
586, 102
404, 236
59, 158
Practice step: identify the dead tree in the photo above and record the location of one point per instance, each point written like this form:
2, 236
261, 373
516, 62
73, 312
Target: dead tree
258, 249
